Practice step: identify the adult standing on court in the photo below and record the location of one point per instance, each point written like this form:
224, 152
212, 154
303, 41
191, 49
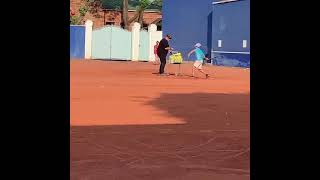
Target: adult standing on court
162, 52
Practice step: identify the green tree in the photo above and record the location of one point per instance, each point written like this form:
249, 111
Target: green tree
156, 4
94, 6
138, 17
112, 4
132, 4
142, 6
91, 6
125, 6
78, 19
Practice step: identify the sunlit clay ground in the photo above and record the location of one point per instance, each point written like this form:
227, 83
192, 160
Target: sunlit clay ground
127, 123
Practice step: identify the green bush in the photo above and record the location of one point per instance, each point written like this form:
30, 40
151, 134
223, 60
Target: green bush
83, 10
77, 20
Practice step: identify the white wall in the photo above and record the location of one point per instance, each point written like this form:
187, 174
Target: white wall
135, 41
88, 39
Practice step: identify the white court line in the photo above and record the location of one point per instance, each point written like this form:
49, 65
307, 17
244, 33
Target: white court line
225, 1
231, 52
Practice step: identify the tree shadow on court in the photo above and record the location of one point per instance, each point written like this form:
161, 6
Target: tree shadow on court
214, 139
200, 112
205, 108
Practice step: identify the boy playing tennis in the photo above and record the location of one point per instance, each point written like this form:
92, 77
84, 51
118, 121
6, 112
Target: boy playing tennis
199, 61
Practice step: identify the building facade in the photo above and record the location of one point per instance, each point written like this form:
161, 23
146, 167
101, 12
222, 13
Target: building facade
113, 17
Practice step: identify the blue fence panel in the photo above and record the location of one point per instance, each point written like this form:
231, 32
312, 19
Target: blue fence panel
77, 42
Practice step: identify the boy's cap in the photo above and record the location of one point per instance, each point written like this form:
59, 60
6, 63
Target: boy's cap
197, 45
169, 36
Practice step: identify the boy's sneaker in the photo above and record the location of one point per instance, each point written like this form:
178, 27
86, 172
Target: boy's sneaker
207, 76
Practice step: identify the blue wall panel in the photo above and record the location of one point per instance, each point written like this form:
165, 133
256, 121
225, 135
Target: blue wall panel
192, 21
231, 59
231, 24
188, 21
77, 42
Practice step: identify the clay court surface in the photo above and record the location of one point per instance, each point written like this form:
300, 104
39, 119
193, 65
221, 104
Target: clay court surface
128, 123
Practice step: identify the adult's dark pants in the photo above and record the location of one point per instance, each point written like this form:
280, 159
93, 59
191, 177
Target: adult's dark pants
162, 62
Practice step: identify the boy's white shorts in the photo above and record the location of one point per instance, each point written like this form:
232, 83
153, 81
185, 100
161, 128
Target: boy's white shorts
198, 64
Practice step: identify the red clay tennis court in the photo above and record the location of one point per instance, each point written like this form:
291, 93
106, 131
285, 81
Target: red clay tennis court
127, 123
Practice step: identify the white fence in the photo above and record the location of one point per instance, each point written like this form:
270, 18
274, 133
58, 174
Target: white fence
153, 34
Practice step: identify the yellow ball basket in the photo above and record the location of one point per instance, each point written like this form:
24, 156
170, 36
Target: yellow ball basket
176, 58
